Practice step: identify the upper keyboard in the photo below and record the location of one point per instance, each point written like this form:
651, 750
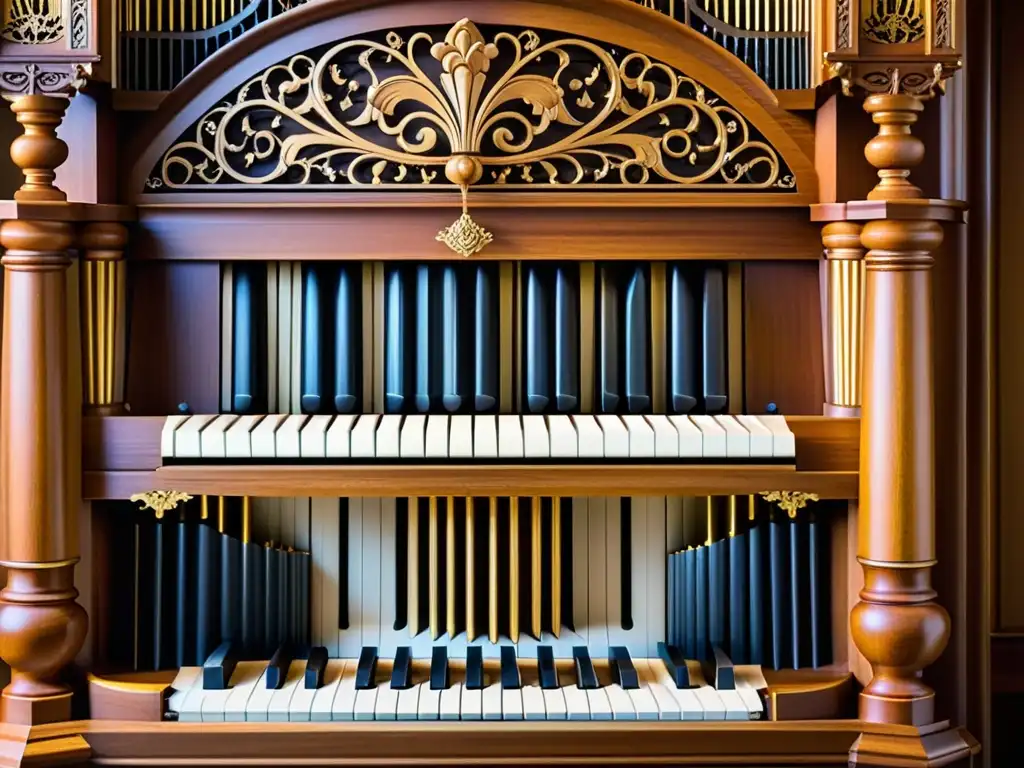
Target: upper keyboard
438, 438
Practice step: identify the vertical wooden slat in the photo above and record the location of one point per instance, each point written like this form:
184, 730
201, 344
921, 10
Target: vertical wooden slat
226, 335
413, 573
556, 566
470, 571
587, 299
433, 549
377, 347
513, 567
734, 335
658, 337
449, 582
273, 406
492, 558
535, 567
517, 314
506, 319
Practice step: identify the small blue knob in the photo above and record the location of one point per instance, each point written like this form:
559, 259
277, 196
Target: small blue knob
772, 408
183, 409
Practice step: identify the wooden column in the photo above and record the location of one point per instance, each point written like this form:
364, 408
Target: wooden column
41, 626
103, 308
845, 324
898, 626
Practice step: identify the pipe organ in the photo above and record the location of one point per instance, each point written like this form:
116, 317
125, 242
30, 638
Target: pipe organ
522, 362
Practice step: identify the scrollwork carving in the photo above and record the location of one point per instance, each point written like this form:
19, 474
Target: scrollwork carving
540, 108
33, 22
79, 24
843, 38
943, 25
21, 79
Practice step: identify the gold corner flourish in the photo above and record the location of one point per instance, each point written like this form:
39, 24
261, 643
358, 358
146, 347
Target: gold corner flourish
160, 501
789, 502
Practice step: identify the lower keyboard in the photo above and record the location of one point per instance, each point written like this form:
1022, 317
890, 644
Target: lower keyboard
420, 691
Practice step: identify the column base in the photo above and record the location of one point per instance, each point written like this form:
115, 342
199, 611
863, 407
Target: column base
848, 411
916, 712
21, 710
932, 746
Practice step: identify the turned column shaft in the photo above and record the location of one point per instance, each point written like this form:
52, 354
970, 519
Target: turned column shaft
41, 626
897, 625
845, 325
103, 307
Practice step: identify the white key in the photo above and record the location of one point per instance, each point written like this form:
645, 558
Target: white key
460, 437
564, 444
409, 701
615, 436
713, 435
430, 702
389, 442
532, 696
171, 424
714, 707
365, 703
491, 701
622, 704
256, 709
749, 680
510, 437
762, 443
280, 703
214, 437
189, 705
323, 697
450, 707
691, 439
215, 702
666, 438
600, 707
364, 437
783, 439
472, 705
187, 438
287, 437
181, 685
436, 443
485, 437
313, 439
344, 705
242, 689
339, 437
690, 707
263, 442
641, 437
412, 442
511, 704
737, 438
238, 439
667, 706
577, 705
589, 436
554, 704
536, 443
387, 697
735, 706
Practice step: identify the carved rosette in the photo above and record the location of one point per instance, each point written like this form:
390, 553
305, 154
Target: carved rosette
524, 108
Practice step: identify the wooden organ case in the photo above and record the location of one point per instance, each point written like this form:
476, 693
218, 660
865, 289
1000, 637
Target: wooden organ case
451, 381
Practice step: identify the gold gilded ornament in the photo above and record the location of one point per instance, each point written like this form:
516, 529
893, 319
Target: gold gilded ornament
465, 236
789, 502
160, 501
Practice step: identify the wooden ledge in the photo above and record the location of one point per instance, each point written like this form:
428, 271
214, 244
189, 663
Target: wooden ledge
65, 211
953, 211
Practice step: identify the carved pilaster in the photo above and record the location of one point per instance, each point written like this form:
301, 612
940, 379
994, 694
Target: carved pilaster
844, 330
103, 297
898, 626
41, 626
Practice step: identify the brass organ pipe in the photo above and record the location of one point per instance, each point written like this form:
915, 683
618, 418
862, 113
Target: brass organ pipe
204, 507
556, 565
513, 560
220, 514
535, 567
732, 516
492, 559
112, 268
435, 616
90, 348
470, 580
751, 507
246, 518
711, 515
99, 282
449, 551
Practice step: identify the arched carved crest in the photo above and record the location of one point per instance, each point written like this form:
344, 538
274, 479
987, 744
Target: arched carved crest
527, 107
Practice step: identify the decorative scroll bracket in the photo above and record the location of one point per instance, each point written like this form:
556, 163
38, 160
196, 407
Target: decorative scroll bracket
160, 501
789, 502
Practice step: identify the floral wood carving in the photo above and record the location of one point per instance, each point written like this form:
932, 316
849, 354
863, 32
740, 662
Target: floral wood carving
894, 21
33, 22
522, 109
842, 24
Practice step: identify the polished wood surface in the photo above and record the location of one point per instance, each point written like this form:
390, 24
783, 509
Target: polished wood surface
898, 626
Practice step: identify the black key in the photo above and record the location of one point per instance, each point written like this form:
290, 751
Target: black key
218, 668
626, 562
277, 669
718, 671
439, 680
674, 662
343, 619
509, 669
474, 668
401, 672
623, 671
245, 358
546, 667
367, 669
316, 666
586, 677
312, 341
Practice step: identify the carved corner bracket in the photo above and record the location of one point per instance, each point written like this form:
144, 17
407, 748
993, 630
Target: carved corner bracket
40, 78
789, 502
160, 501
924, 81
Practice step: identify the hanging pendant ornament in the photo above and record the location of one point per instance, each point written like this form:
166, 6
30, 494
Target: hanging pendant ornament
465, 236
